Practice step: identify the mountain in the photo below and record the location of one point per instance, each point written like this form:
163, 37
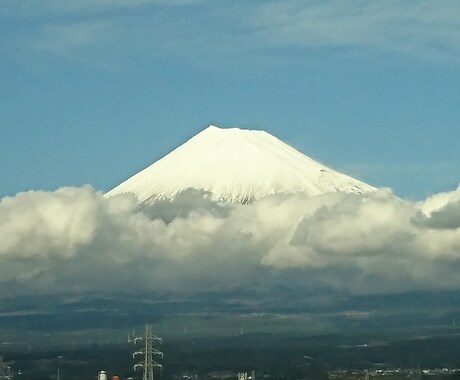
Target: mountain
236, 165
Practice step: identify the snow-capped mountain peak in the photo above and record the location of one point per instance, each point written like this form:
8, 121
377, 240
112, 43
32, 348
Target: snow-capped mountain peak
236, 165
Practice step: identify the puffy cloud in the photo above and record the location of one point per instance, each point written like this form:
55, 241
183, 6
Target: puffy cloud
437, 201
75, 239
38, 222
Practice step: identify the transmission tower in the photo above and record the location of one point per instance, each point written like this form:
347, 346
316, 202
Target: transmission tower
148, 352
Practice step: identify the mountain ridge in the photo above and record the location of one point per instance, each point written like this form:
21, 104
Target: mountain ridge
237, 166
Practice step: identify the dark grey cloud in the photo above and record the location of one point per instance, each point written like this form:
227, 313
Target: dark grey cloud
448, 217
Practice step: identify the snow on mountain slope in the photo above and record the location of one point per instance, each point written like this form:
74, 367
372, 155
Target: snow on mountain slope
236, 165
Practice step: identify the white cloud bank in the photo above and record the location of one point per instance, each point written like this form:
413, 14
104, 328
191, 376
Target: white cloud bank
76, 240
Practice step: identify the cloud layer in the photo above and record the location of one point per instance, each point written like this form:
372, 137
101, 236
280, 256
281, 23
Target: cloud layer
76, 240
201, 28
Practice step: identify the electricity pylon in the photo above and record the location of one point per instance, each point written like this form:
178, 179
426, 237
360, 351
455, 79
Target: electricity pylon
148, 351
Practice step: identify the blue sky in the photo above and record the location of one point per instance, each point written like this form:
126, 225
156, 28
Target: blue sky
93, 91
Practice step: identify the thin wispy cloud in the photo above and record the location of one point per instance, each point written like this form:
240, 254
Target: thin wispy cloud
67, 39
33, 9
421, 29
